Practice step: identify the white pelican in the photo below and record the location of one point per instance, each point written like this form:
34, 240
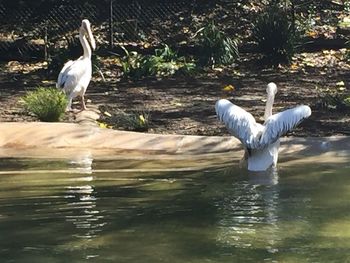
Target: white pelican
75, 76
261, 142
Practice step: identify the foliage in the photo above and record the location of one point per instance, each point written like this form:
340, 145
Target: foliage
165, 62
335, 99
274, 35
136, 121
305, 22
346, 6
215, 48
48, 104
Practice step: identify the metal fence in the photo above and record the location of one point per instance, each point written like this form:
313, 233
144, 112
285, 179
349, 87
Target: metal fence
37, 29
32, 33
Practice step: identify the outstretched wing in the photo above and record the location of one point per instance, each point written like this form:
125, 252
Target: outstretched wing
239, 122
279, 124
62, 77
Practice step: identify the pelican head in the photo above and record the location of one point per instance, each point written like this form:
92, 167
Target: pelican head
271, 89
86, 29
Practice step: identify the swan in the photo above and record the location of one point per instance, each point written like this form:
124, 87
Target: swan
261, 142
75, 75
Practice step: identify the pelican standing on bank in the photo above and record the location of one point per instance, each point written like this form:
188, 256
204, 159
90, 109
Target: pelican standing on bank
75, 76
261, 142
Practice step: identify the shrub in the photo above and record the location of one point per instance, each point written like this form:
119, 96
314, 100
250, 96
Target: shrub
48, 104
274, 35
215, 48
165, 62
334, 99
136, 121
131, 64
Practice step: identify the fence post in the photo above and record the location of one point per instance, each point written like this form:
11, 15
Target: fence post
46, 44
111, 40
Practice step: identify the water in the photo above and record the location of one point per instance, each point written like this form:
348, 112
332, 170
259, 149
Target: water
78, 212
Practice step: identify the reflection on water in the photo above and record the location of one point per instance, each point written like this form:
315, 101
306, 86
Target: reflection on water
82, 162
269, 177
296, 214
246, 210
81, 202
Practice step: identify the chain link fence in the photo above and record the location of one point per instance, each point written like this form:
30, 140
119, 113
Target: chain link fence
28, 33
38, 29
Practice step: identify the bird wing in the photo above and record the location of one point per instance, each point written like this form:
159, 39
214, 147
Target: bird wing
62, 77
239, 122
279, 124
72, 75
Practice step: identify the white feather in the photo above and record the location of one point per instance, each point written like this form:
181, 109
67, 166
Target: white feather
260, 141
239, 123
63, 74
76, 77
280, 123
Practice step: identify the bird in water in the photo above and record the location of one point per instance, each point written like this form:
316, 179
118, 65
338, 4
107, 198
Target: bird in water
75, 75
261, 141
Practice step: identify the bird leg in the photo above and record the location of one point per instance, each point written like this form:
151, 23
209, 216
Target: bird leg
69, 106
83, 102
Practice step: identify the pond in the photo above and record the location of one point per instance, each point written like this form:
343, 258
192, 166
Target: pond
104, 211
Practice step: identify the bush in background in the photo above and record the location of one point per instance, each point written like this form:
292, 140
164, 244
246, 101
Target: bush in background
336, 98
133, 120
215, 48
136, 121
48, 104
274, 35
165, 62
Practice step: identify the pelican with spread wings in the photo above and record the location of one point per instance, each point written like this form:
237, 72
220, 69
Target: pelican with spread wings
261, 142
75, 75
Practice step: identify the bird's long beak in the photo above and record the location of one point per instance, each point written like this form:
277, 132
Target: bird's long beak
91, 39
89, 35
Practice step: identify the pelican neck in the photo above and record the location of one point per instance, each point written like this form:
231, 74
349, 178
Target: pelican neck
268, 107
85, 45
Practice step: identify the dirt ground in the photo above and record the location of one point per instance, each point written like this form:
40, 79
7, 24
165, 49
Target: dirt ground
185, 104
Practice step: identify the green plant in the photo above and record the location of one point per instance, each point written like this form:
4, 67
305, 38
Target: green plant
166, 53
274, 35
334, 99
164, 62
48, 104
131, 64
346, 6
215, 47
136, 121
305, 21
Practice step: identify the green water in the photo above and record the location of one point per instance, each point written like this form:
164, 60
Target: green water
300, 214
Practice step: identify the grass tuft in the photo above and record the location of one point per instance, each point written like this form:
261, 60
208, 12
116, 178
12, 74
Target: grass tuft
48, 104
